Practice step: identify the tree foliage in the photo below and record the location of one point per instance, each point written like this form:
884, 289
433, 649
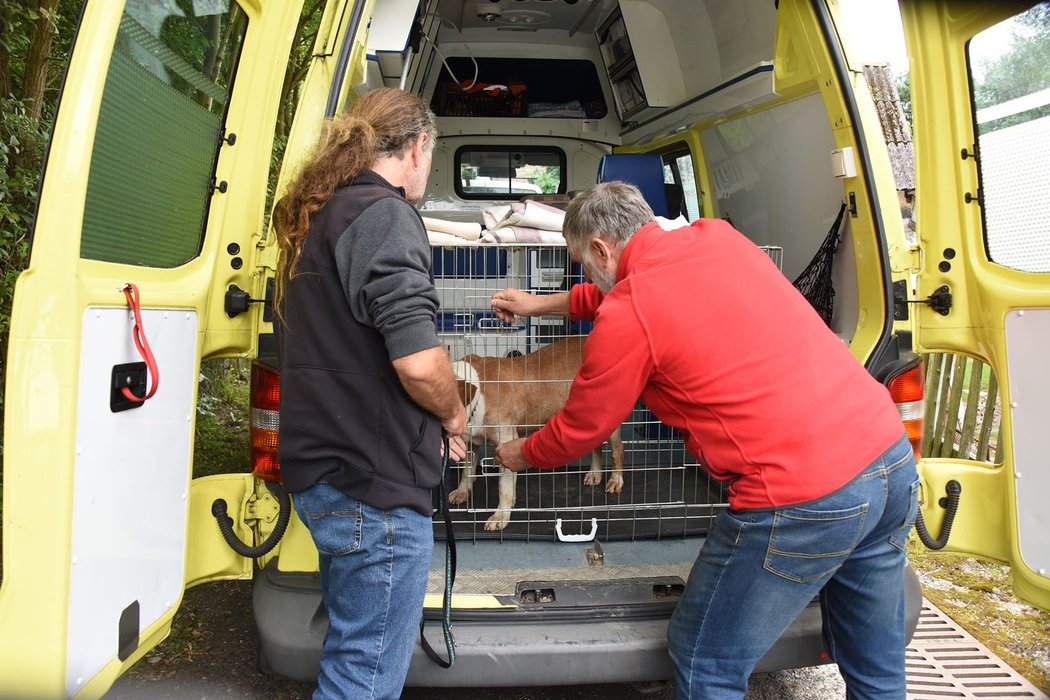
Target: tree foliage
549, 180
903, 85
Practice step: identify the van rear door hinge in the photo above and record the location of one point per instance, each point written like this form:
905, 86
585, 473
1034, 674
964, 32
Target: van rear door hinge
262, 506
905, 258
940, 301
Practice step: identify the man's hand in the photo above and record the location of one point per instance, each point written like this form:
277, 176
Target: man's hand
510, 455
508, 302
457, 424
457, 449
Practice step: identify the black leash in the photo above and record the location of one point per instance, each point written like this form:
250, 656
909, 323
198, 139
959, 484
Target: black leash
450, 574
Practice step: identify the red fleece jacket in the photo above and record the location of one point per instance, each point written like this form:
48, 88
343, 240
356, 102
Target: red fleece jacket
718, 344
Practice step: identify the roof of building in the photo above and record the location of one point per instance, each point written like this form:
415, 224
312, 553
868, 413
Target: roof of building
895, 128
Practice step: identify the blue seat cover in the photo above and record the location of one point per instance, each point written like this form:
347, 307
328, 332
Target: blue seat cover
643, 170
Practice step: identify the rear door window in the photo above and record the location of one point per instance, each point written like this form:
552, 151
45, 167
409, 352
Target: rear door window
159, 129
509, 173
1011, 92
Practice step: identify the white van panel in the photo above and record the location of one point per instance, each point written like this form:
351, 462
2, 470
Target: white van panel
777, 191
130, 485
783, 192
1027, 337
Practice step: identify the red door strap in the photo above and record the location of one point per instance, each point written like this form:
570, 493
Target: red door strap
131, 293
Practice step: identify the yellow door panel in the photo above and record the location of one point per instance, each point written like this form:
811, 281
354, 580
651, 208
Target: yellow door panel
210, 558
102, 528
981, 146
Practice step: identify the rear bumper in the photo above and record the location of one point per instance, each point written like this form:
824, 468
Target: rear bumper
511, 648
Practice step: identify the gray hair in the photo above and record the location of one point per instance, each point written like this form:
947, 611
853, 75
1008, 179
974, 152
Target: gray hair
612, 210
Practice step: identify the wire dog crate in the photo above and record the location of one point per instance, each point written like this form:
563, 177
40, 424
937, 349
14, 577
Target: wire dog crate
665, 493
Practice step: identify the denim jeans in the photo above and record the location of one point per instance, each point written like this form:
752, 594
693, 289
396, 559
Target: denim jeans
758, 569
373, 578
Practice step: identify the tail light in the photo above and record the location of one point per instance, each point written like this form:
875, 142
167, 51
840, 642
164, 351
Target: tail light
265, 401
908, 390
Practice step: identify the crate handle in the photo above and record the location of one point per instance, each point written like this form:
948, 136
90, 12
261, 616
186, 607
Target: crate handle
576, 538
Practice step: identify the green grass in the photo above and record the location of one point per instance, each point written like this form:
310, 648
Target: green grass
221, 441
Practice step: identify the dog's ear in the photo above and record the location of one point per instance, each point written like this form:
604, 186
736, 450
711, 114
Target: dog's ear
466, 391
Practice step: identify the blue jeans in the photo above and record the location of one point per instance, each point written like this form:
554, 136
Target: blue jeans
373, 578
758, 569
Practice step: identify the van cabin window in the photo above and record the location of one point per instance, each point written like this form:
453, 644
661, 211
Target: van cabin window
1010, 76
506, 87
509, 173
679, 176
159, 130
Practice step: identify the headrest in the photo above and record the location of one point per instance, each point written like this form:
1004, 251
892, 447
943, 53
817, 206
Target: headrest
643, 170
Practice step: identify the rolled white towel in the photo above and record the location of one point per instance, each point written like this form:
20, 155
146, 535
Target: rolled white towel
448, 240
460, 229
531, 214
495, 214
525, 234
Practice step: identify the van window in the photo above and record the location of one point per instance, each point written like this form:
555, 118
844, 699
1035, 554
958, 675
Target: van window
159, 129
678, 171
1011, 90
509, 173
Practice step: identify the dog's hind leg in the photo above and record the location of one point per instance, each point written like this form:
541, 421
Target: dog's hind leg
466, 479
507, 491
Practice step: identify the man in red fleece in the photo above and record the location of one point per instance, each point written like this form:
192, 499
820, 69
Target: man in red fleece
699, 323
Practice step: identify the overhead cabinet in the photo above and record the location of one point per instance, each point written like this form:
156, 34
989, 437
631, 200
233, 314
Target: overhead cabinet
642, 73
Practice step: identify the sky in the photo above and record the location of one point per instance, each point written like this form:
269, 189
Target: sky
882, 39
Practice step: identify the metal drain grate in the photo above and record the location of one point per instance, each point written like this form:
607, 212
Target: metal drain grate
945, 661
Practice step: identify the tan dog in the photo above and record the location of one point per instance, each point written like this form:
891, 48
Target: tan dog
508, 396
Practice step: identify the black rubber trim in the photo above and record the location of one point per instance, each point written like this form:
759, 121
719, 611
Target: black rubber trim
343, 61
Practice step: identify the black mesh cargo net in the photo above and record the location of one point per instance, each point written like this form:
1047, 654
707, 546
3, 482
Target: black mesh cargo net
814, 282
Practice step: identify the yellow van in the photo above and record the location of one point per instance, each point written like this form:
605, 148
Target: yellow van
153, 223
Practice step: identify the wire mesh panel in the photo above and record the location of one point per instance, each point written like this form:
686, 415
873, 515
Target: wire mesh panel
514, 377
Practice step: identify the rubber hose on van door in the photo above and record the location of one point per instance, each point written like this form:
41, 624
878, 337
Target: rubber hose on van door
954, 488
225, 522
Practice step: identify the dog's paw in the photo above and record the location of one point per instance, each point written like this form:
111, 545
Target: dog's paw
499, 520
615, 484
458, 496
592, 478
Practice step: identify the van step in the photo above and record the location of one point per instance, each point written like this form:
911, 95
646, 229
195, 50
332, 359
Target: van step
945, 661
505, 581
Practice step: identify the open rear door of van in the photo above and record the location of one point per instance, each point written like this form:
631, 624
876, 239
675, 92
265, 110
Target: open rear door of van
150, 209
981, 102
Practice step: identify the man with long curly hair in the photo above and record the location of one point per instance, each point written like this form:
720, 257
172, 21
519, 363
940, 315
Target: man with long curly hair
366, 387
